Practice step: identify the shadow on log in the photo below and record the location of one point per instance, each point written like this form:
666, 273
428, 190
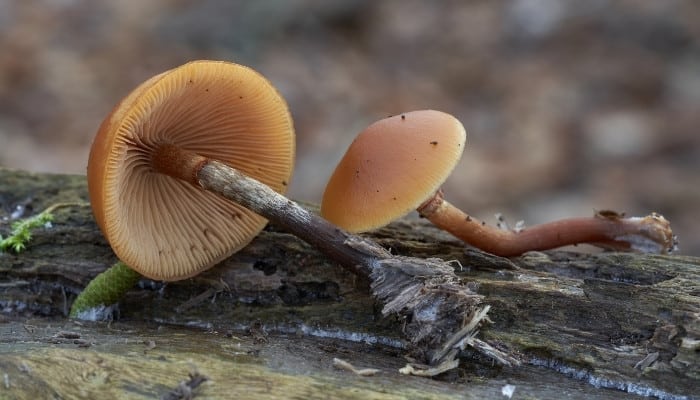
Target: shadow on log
268, 322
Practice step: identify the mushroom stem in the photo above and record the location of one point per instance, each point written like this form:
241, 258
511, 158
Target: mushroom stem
326, 237
651, 234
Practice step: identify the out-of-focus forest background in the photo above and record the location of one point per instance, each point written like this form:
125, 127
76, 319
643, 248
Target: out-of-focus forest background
569, 105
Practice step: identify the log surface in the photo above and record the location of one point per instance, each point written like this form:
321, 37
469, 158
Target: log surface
267, 322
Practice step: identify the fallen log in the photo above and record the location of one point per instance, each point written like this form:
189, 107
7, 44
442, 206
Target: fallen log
582, 323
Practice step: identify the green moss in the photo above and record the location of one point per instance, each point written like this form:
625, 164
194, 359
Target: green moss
22, 229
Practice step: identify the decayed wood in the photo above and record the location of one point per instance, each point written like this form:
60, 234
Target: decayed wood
626, 321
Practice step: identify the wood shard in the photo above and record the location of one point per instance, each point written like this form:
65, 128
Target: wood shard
342, 364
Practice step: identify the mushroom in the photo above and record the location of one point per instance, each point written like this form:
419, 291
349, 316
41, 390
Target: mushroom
168, 229
399, 163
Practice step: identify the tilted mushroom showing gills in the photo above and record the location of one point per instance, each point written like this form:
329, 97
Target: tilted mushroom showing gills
398, 164
165, 228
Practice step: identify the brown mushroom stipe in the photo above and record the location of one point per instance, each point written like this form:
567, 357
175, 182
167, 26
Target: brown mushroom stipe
650, 234
164, 228
398, 164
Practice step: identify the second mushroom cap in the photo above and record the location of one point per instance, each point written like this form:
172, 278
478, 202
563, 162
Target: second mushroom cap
391, 168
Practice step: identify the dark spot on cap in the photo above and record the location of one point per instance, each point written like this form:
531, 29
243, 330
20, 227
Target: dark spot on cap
403, 117
284, 183
469, 219
434, 142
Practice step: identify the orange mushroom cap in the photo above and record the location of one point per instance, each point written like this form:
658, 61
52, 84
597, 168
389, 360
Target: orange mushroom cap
166, 228
391, 168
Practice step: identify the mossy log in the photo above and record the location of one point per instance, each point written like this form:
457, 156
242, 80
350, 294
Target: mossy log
268, 322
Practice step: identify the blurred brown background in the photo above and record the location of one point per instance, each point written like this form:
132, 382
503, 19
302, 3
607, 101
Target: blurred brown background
569, 105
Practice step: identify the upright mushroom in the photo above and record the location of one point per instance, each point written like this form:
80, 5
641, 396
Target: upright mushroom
168, 229
399, 163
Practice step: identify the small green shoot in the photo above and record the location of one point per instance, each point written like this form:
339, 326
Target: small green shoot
104, 290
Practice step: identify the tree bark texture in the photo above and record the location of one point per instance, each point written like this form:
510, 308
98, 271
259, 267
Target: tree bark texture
604, 325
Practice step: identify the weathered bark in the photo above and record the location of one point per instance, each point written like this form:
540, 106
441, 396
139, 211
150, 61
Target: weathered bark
624, 321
